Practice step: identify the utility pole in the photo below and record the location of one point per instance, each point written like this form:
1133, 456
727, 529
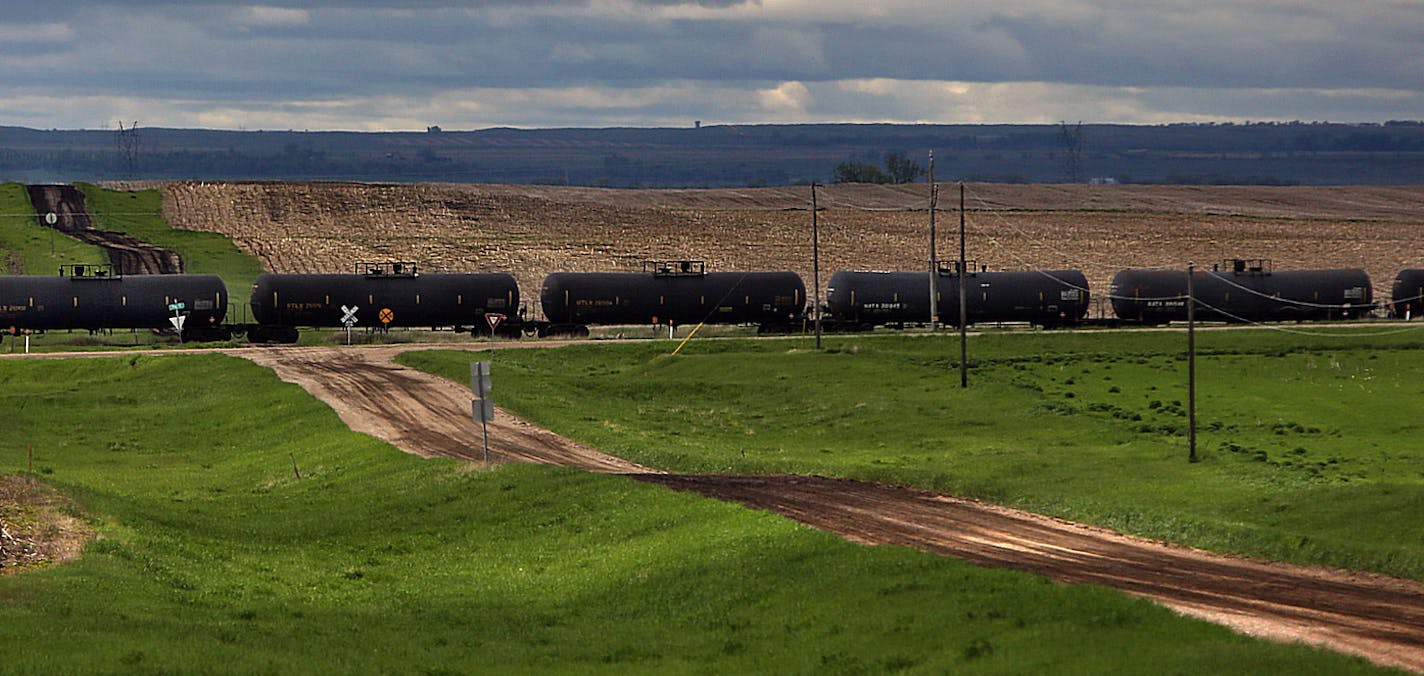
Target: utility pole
963, 305
934, 290
816, 263
1191, 365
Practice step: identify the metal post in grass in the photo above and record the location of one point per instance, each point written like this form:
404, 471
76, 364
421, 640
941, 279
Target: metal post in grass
963, 303
816, 263
934, 297
1191, 365
482, 407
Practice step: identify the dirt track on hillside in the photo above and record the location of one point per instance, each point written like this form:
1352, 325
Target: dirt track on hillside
128, 255
1377, 617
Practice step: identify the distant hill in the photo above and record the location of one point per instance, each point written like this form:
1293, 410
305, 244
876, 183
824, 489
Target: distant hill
1295, 153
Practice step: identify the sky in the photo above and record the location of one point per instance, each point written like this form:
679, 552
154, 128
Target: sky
389, 65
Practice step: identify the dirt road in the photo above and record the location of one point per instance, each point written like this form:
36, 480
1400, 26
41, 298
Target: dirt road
418, 412
1377, 617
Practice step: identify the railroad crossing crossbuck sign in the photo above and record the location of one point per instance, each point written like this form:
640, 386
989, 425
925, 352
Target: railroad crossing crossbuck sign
348, 319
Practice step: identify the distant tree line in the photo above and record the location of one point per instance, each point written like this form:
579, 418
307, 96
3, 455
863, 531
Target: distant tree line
898, 169
735, 156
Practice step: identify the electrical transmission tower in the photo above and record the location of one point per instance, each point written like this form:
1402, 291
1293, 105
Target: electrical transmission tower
1072, 140
128, 144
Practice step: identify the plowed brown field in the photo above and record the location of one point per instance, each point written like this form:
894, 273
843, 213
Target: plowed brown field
530, 231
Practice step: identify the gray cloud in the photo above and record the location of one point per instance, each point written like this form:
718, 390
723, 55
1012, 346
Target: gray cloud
383, 61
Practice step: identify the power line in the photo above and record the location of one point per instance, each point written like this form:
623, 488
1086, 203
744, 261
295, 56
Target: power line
1290, 301
1321, 334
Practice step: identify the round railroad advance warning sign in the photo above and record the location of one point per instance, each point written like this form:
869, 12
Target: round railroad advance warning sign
386, 316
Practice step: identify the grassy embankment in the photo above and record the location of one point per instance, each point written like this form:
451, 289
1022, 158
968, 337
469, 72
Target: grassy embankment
1307, 443
28, 248
215, 557
140, 213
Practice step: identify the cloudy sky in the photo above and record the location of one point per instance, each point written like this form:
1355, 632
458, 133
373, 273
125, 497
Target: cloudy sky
405, 64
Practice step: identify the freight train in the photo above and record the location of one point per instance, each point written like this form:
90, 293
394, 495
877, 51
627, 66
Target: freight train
396, 294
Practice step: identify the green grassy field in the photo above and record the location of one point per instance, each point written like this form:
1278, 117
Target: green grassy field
28, 248
140, 213
1307, 442
214, 557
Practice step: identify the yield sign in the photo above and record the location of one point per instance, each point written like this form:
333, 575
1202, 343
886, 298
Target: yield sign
177, 321
348, 314
494, 318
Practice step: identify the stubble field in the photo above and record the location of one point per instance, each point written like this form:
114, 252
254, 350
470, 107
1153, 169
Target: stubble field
530, 231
